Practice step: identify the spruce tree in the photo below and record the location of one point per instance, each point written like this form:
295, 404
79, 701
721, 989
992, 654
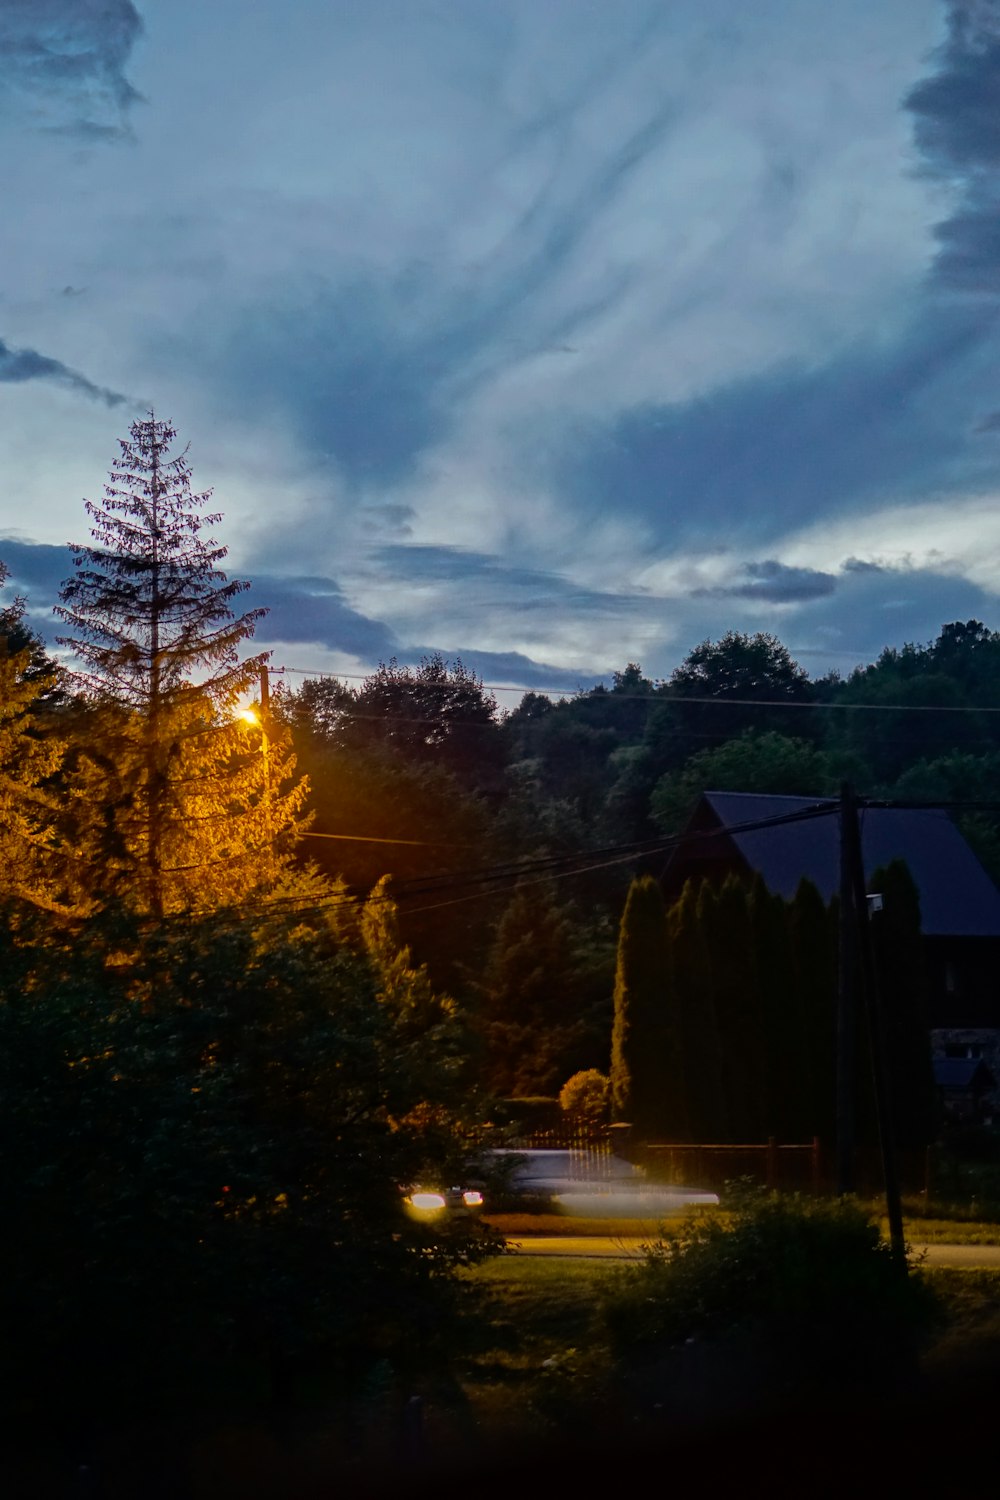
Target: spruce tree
179, 806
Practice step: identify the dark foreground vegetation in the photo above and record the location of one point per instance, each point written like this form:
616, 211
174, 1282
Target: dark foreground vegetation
774, 1325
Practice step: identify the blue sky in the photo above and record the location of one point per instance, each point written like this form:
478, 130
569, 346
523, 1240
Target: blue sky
553, 334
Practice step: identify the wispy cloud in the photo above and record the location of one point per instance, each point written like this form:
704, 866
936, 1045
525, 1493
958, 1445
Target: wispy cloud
19, 365
957, 125
773, 581
62, 65
314, 610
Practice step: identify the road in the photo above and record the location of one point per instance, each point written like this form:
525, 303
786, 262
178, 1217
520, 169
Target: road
624, 1248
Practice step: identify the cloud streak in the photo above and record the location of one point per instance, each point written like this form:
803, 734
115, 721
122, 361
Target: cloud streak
775, 583
20, 365
957, 127
62, 65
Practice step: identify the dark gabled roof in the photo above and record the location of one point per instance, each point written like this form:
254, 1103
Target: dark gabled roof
962, 1073
957, 897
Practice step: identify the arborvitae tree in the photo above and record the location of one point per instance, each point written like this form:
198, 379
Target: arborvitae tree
813, 936
738, 999
701, 1043
178, 807
647, 1088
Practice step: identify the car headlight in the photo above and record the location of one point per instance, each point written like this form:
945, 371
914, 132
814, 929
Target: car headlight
428, 1202
472, 1198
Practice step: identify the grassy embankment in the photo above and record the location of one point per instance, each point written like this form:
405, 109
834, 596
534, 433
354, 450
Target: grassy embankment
540, 1367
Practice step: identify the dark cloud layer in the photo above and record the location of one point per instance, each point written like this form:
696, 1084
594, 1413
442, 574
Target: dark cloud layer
314, 610
18, 365
356, 386
773, 581
500, 668
759, 456
62, 62
35, 566
495, 581
876, 607
957, 127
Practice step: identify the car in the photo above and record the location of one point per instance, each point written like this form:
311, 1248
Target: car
589, 1184
433, 1202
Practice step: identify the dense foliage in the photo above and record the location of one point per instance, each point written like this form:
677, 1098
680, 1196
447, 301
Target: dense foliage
205, 1129
807, 1287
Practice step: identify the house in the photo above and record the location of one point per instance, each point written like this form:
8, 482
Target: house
964, 1086
959, 904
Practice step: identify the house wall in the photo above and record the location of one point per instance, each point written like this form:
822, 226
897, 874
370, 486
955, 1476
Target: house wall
973, 1041
963, 981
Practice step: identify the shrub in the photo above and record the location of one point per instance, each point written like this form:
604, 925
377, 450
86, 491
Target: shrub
808, 1283
584, 1098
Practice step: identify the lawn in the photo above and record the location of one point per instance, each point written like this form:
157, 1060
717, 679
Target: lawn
540, 1382
929, 1230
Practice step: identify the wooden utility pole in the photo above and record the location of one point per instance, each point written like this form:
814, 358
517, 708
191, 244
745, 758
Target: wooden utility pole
847, 998
855, 919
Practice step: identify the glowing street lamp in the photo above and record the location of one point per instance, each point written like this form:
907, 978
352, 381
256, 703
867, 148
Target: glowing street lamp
255, 717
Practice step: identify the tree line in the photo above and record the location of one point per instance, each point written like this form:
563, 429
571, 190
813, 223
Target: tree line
134, 781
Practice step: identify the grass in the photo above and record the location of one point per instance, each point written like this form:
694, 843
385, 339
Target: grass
934, 1228
541, 1378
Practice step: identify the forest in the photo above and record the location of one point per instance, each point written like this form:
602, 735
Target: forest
566, 802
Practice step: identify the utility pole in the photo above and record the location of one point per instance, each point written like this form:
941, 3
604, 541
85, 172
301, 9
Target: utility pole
265, 710
854, 918
847, 999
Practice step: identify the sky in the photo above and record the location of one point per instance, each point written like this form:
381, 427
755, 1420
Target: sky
550, 335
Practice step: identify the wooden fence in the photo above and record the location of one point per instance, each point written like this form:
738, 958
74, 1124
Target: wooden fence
793, 1168
798, 1167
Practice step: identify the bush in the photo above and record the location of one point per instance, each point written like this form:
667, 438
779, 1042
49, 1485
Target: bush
964, 1171
584, 1098
809, 1284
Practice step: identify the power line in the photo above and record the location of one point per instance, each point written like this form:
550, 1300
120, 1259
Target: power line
546, 868
363, 838
554, 867
608, 696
